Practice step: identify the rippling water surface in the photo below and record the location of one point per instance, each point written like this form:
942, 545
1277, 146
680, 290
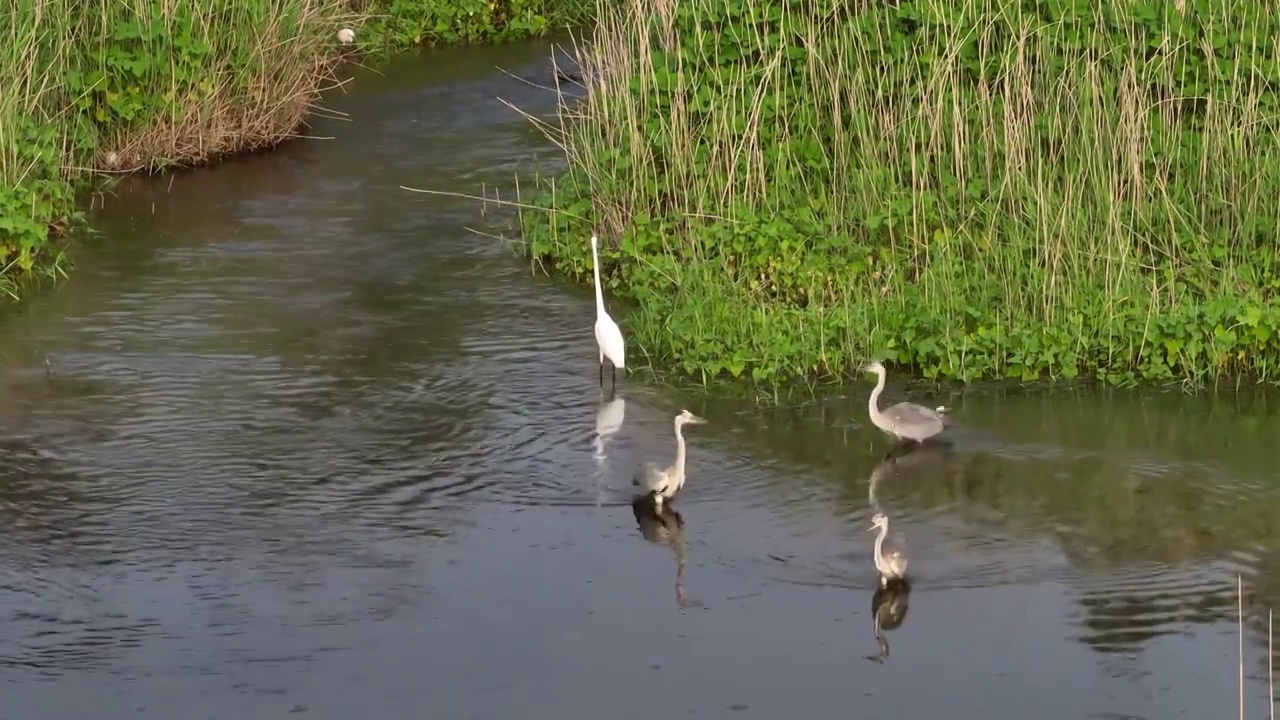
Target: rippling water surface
294, 441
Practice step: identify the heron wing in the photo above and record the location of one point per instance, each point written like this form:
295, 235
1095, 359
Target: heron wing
895, 553
650, 478
911, 416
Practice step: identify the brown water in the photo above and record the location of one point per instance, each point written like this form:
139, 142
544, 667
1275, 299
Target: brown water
304, 444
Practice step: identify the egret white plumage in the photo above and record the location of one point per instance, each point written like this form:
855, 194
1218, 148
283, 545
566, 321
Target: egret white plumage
891, 561
905, 421
664, 484
608, 336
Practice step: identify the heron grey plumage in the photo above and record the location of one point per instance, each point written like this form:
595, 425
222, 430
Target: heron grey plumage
905, 421
664, 484
891, 556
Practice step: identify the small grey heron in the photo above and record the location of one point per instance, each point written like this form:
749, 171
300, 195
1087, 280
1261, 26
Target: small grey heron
891, 561
905, 421
664, 484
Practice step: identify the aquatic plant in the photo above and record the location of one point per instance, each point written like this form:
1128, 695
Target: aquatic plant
1045, 189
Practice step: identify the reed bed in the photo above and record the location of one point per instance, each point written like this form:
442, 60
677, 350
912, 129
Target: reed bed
970, 189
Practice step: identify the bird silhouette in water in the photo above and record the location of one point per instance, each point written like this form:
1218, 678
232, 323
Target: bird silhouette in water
664, 525
889, 606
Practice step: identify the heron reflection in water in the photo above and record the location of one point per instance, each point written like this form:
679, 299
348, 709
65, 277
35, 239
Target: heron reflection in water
905, 459
664, 525
662, 485
905, 421
889, 606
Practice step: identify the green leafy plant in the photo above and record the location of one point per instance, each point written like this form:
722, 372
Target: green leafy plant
397, 24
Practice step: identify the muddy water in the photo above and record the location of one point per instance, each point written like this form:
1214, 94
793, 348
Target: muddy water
295, 442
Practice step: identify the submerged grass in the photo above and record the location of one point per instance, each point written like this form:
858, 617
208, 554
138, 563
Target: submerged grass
972, 189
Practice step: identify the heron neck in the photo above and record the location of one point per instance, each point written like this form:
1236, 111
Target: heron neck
884, 530
679, 464
873, 402
595, 265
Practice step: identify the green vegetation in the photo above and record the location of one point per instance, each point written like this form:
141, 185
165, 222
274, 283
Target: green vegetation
113, 86
397, 24
142, 85
1043, 189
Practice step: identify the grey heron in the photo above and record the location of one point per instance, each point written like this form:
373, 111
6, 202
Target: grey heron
905, 421
664, 484
891, 560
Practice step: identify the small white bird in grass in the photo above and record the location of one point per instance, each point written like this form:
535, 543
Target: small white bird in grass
608, 336
346, 36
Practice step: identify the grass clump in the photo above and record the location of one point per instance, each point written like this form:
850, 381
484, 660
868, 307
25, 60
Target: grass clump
125, 85
973, 189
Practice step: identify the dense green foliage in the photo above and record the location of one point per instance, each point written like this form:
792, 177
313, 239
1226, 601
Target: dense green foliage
1040, 189
121, 86
396, 24
124, 85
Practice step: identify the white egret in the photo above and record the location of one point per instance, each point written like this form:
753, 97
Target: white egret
608, 336
891, 561
905, 421
664, 484
346, 36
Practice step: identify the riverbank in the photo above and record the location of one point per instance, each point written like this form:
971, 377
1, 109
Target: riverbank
108, 88
971, 191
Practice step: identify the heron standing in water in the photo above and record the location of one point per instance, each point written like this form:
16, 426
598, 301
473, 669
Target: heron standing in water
664, 484
891, 561
905, 421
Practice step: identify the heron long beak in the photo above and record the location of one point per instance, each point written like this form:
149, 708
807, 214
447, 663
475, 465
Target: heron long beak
873, 527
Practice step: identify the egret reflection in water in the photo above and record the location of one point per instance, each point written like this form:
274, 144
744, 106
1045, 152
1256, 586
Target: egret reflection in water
609, 417
662, 524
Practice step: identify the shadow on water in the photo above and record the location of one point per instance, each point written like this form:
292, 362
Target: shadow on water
307, 445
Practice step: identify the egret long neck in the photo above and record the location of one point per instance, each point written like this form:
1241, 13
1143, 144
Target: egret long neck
873, 402
595, 265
